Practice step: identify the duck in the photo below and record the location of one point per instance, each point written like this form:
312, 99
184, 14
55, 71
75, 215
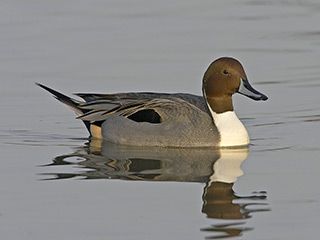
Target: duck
170, 119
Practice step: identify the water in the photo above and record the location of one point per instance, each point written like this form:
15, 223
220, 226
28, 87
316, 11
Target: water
53, 184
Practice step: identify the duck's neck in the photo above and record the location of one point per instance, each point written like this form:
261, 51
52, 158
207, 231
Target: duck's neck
220, 104
232, 131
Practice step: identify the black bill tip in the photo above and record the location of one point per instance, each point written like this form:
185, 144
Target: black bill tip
247, 90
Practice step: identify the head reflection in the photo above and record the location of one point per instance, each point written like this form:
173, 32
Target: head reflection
217, 168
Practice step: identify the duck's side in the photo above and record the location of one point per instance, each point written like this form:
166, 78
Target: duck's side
181, 125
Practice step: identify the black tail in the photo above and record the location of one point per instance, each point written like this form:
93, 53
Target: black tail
73, 103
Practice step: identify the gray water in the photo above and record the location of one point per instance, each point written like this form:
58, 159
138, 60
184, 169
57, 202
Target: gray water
55, 185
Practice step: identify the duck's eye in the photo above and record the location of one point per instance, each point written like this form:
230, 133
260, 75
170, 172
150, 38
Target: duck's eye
225, 72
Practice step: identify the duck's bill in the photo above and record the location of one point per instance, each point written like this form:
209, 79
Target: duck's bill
247, 90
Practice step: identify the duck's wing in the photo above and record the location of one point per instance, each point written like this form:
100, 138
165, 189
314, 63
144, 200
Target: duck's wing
141, 110
125, 98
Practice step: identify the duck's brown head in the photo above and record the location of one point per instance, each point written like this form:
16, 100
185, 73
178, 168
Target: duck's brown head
224, 77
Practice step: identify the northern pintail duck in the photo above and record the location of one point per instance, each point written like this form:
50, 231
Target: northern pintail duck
170, 120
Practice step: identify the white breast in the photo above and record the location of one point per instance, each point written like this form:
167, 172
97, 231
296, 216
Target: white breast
232, 132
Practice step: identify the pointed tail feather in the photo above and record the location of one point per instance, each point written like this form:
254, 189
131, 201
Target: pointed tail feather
73, 103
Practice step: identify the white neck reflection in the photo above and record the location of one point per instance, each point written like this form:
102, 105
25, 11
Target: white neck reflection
228, 167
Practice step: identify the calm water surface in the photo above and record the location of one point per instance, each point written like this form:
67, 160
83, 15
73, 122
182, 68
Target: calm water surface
55, 184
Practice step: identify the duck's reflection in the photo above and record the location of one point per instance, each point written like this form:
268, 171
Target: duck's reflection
218, 168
